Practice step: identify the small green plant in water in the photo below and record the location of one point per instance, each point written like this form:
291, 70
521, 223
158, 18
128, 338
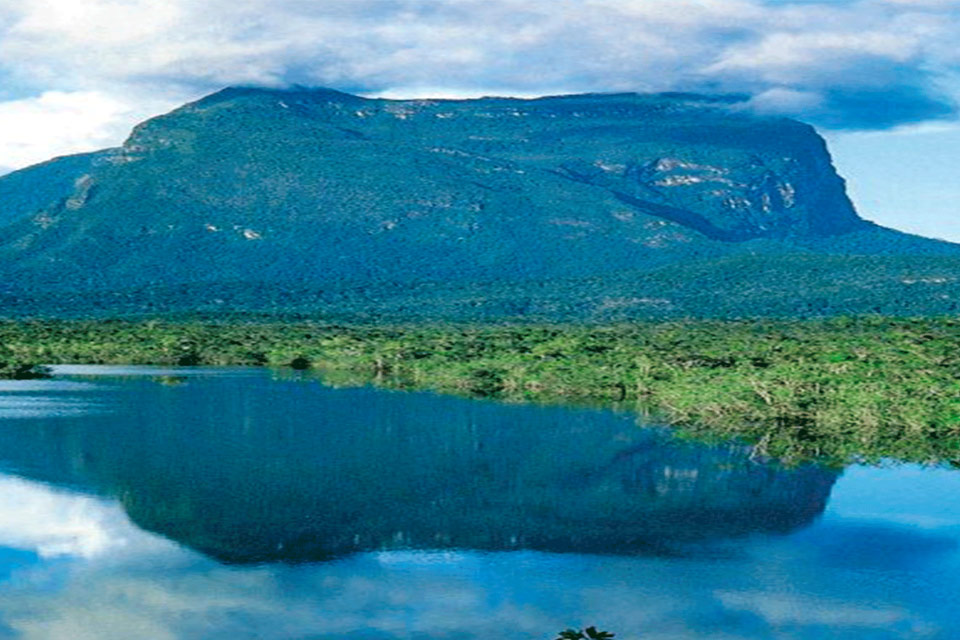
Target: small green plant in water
22, 371
590, 633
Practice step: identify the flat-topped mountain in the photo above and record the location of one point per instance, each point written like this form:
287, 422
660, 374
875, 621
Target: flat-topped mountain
585, 206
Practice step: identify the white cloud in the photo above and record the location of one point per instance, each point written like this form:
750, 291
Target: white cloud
779, 100
469, 596
102, 578
59, 122
931, 4
793, 57
52, 522
783, 609
110, 55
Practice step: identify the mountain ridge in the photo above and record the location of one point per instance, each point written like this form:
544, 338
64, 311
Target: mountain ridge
319, 191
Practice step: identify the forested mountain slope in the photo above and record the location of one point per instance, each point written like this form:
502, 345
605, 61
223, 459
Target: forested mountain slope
568, 207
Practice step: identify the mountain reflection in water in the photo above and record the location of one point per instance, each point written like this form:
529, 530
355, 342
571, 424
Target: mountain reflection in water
251, 469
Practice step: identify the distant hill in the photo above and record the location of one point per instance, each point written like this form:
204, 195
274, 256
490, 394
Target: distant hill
586, 207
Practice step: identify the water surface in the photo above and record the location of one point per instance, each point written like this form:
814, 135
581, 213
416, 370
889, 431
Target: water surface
244, 503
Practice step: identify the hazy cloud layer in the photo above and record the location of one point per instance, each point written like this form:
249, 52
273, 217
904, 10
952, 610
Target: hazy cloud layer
858, 64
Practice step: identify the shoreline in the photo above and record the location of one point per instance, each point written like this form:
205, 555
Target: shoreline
837, 391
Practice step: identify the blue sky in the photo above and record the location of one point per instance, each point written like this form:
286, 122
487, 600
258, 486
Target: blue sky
878, 77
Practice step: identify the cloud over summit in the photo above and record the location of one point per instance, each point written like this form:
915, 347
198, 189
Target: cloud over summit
859, 64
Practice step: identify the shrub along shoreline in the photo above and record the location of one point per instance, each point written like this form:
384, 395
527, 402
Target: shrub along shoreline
838, 390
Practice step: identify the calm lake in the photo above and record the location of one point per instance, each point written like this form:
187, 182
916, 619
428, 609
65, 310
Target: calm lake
143, 503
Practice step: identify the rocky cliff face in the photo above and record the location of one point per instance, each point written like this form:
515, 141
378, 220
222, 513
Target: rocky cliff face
325, 191
682, 159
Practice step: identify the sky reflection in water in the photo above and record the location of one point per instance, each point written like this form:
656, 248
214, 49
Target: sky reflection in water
291, 462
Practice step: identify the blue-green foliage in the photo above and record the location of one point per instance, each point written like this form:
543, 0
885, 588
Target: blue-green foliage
572, 207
